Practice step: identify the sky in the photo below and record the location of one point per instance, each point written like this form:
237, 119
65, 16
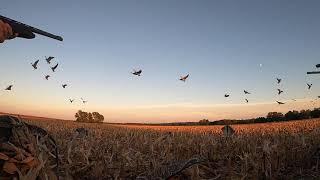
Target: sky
226, 46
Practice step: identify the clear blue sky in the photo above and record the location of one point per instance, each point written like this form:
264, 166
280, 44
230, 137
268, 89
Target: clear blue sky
220, 43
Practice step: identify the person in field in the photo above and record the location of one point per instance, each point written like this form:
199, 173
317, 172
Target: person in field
6, 32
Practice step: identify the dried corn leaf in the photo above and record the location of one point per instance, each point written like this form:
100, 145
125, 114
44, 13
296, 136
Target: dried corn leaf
19, 157
12, 160
4, 157
33, 163
31, 148
27, 160
10, 168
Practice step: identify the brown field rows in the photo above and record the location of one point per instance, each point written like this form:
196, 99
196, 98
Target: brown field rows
283, 150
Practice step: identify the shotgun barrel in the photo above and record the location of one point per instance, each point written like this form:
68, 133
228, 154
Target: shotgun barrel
26, 31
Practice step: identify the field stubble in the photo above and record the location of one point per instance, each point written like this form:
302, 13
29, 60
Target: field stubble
283, 150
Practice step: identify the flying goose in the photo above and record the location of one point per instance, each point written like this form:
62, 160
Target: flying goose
47, 77
83, 101
64, 85
247, 101
71, 100
49, 59
184, 78
35, 64
137, 73
54, 67
279, 102
246, 92
226, 95
279, 80
9, 88
309, 86
279, 91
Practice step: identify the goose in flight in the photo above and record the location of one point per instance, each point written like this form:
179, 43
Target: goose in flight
226, 95
137, 73
184, 78
71, 100
279, 91
64, 85
35, 64
247, 101
47, 77
279, 102
318, 66
83, 101
246, 92
54, 67
279, 80
49, 59
9, 88
309, 86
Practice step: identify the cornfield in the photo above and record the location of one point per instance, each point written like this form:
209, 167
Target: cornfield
283, 150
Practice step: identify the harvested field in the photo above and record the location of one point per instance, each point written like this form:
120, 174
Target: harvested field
283, 150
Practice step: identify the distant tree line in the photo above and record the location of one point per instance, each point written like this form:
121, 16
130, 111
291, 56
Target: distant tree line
89, 117
273, 117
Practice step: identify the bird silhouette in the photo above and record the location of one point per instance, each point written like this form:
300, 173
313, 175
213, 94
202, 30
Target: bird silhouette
309, 86
226, 95
54, 67
35, 64
64, 85
279, 91
317, 65
137, 73
247, 100
83, 101
246, 92
47, 77
49, 59
279, 102
279, 80
184, 78
9, 88
71, 100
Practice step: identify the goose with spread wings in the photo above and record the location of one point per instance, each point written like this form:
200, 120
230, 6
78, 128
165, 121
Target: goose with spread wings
279, 91
48, 59
279, 102
137, 73
279, 80
9, 88
184, 78
54, 67
35, 64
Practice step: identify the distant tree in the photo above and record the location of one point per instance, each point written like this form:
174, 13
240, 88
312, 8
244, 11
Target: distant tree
97, 117
94, 117
292, 115
305, 114
275, 116
260, 120
315, 113
204, 122
81, 116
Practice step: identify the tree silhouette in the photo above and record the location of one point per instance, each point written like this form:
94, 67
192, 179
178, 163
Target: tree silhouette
94, 117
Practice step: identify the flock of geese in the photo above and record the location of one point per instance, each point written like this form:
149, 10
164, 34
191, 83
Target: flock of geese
246, 92
53, 68
139, 73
